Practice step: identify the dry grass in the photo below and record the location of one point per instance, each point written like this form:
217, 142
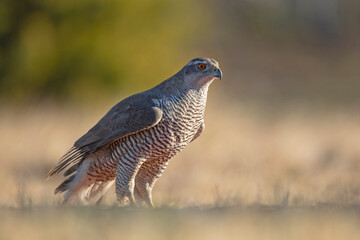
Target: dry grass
290, 160
234, 223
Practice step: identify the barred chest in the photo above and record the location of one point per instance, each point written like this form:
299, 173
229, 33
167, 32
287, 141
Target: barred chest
182, 117
181, 120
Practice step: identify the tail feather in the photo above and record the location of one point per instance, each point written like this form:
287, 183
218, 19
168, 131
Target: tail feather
73, 156
80, 188
65, 185
72, 169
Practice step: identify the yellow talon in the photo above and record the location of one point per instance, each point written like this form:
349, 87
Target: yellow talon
132, 200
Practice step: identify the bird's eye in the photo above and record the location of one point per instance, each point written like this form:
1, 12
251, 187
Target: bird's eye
201, 66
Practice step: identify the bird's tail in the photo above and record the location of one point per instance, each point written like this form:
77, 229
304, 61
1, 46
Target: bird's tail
81, 188
72, 159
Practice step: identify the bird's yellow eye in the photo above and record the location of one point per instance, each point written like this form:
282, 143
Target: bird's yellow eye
201, 66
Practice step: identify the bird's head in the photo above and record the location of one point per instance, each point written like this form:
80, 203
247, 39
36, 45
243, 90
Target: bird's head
200, 72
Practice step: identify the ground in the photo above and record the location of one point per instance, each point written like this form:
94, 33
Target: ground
254, 173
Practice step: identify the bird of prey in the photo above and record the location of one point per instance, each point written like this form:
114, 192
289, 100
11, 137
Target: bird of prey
134, 141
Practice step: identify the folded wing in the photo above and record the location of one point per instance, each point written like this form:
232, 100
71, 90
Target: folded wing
130, 116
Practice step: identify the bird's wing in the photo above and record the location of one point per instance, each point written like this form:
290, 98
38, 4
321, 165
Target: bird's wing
120, 122
130, 116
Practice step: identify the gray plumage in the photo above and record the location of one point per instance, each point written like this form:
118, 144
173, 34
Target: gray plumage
135, 140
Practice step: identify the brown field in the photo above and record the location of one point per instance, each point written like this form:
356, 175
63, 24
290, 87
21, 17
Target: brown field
190, 223
254, 173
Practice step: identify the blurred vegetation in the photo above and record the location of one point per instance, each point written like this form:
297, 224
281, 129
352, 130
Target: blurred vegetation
303, 52
73, 49
282, 51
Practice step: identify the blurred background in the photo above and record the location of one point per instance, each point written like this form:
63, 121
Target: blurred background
283, 126
285, 51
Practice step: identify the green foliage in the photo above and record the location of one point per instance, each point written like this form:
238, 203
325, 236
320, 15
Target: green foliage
85, 48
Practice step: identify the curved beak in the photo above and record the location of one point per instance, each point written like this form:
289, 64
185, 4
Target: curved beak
217, 73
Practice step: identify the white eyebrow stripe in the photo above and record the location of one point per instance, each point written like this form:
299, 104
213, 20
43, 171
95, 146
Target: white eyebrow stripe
199, 61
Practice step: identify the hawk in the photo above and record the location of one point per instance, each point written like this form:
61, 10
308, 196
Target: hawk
133, 143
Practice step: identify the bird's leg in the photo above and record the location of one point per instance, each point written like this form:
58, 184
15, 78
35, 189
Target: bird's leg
146, 177
144, 188
138, 197
125, 180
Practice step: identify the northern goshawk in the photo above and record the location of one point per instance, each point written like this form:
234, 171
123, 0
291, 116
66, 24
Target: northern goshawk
134, 141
